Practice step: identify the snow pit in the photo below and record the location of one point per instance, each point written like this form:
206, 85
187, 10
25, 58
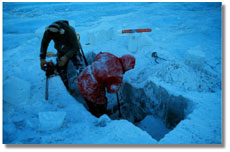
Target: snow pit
151, 108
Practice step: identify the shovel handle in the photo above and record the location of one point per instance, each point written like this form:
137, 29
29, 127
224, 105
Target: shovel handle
118, 102
46, 94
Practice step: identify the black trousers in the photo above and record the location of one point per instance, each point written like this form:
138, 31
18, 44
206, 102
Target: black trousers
62, 71
96, 109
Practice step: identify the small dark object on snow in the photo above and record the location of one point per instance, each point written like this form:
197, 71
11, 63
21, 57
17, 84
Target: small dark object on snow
154, 54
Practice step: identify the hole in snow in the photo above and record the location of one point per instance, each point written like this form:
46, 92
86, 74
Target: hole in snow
150, 108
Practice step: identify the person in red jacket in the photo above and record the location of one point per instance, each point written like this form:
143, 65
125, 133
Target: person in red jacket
106, 72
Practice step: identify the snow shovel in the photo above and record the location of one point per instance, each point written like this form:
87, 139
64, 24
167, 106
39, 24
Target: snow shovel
118, 102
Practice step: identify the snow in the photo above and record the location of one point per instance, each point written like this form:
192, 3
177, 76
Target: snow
16, 91
188, 83
51, 120
155, 127
202, 126
195, 57
114, 87
138, 41
133, 44
103, 31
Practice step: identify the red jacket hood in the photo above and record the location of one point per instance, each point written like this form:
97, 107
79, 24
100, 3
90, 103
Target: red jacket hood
128, 62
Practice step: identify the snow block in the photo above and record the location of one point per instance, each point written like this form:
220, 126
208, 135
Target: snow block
145, 40
195, 57
39, 32
133, 44
16, 91
138, 41
51, 120
91, 38
102, 33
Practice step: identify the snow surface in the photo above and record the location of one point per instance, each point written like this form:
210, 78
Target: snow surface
16, 91
187, 35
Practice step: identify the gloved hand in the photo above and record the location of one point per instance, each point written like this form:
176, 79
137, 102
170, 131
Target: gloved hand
42, 63
62, 61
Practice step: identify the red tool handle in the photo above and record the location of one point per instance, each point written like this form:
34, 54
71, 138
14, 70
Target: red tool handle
136, 30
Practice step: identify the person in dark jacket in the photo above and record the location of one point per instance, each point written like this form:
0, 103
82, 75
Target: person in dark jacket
66, 44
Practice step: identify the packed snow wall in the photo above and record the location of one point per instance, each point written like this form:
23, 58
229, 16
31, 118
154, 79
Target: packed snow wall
138, 103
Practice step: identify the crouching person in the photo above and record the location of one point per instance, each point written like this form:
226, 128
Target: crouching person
106, 72
66, 44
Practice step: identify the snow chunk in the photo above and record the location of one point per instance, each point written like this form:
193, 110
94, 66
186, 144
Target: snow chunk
138, 41
39, 32
51, 120
114, 87
16, 91
103, 32
133, 43
195, 57
145, 40
102, 121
